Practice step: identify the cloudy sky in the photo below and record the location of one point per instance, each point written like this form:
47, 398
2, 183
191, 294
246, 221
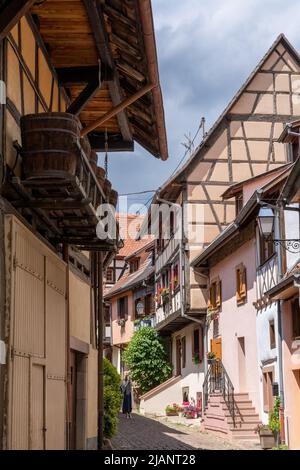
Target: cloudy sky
205, 50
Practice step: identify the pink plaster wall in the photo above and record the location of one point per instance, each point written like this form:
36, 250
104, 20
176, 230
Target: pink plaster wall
239, 321
122, 335
291, 372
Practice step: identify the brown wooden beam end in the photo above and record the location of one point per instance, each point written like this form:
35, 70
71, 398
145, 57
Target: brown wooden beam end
84, 98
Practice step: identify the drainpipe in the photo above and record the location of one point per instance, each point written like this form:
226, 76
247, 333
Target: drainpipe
279, 319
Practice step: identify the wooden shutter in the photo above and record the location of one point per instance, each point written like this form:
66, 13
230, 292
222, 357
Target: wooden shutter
201, 344
296, 318
126, 308
172, 278
218, 294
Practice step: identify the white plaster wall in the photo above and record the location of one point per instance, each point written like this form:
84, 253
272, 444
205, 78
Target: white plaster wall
238, 321
116, 358
157, 403
266, 355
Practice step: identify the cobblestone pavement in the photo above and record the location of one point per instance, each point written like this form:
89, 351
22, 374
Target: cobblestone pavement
145, 433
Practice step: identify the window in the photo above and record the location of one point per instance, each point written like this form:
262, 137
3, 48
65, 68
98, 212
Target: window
272, 334
134, 265
216, 328
241, 283
172, 223
109, 275
268, 376
183, 351
215, 294
149, 304
238, 203
266, 248
198, 345
296, 318
175, 276
123, 308
293, 151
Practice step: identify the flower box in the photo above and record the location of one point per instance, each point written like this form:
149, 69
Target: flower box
267, 438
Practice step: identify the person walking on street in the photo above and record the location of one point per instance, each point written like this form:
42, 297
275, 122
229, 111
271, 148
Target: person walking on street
126, 388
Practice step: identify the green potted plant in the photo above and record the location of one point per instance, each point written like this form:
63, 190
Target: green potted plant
196, 358
211, 357
274, 420
165, 294
269, 433
173, 410
266, 436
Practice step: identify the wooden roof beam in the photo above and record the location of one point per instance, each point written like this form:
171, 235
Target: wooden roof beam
115, 143
11, 13
77, 75
84, 98
97, 23
117, 109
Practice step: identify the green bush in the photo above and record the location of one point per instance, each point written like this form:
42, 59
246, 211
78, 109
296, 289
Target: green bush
146, 359
274, 418
112, 398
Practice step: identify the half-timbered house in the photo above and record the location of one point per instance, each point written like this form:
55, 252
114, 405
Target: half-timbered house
242, 144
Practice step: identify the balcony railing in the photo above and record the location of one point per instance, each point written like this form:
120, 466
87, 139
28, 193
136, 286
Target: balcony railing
266, 276
166, 254
172, 305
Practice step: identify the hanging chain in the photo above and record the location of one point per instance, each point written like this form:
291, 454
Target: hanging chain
106, 155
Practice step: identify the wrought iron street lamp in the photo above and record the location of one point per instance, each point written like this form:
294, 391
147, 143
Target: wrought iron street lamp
140, 308
266, 220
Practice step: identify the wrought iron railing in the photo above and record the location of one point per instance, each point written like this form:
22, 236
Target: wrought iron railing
217, 381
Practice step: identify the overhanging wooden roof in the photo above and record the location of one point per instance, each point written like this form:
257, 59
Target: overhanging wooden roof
113, 41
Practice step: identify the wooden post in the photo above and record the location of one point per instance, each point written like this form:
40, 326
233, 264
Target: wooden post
117, 109
100, 354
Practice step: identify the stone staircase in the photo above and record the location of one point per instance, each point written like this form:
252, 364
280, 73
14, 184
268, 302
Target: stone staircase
218, 420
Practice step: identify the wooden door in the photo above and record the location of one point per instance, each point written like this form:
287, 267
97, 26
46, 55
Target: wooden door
73, 371
216, 347
37, 390
37, 407
242, 364
178, 356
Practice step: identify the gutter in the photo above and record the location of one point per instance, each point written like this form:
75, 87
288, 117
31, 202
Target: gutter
146, 17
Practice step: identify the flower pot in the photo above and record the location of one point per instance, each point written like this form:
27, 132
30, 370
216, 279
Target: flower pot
267, 439
211, 361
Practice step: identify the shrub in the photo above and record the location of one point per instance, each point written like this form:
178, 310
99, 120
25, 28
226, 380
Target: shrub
274, 418
146, 359
112, 398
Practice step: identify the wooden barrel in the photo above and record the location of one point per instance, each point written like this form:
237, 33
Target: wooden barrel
50, 144
113, 198
86, 146
101, 176
107, 188
93, 161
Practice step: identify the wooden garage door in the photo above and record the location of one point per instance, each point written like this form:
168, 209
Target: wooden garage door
38, 344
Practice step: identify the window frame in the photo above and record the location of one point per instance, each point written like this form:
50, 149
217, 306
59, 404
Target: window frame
241, 283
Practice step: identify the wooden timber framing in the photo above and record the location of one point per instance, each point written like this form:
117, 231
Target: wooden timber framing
121, 35
97, 23
11, 12
242, 144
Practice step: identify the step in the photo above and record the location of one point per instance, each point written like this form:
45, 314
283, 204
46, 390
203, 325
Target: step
243, 406
241, 395
244, 419
245, 413
216, 429
243, 426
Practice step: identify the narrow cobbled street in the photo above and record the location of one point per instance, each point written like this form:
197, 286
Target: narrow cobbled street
140, 433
